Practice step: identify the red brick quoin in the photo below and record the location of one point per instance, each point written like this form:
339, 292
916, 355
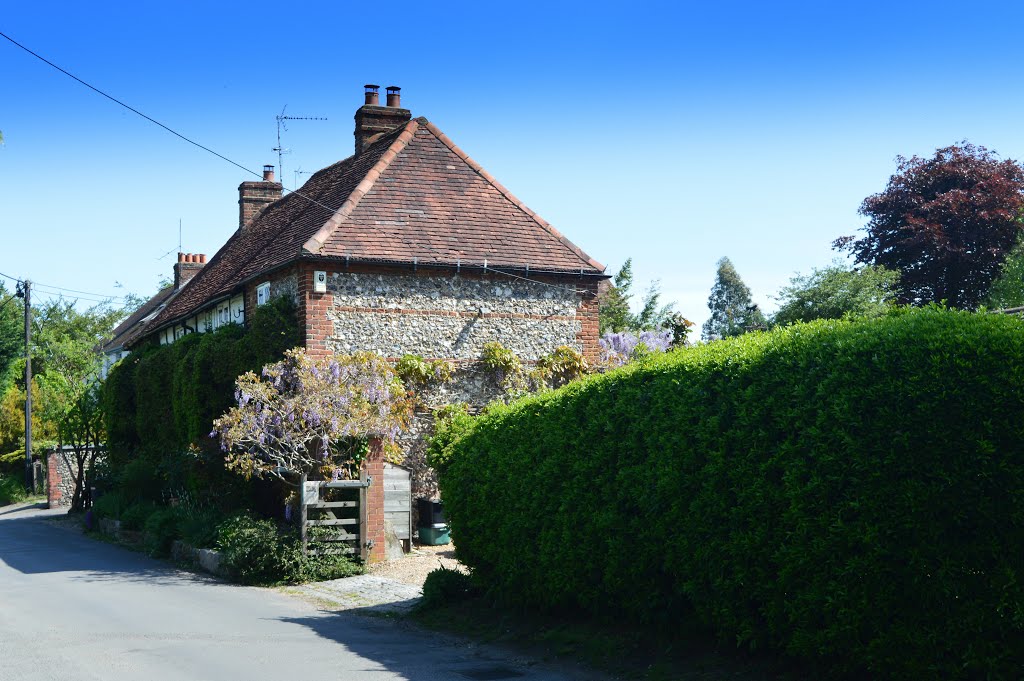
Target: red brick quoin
53, 480
373, 514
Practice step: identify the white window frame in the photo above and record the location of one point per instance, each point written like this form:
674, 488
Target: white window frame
263, 293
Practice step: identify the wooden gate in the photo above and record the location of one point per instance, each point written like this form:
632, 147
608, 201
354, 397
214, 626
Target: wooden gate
398, 502
341, 507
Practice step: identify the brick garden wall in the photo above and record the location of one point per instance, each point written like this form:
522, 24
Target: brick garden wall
60, 478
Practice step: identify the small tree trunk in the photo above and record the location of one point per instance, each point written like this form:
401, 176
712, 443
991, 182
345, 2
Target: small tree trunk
76, 499
303, 513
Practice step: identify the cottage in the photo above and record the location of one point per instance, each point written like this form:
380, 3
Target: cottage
406, 247
136, 324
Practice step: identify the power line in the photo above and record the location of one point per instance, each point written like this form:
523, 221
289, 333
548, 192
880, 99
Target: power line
71, 290
96, 297
118, 101
252, 172
58, 294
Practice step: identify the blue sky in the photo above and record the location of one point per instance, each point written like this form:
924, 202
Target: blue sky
672, 133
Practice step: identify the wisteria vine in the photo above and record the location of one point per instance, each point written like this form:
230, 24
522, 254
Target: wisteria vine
288, 419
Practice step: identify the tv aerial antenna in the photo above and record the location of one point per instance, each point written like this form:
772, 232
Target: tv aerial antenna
282, 123
179, 243
299, 172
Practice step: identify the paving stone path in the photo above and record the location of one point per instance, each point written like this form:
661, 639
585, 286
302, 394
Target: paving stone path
367, 593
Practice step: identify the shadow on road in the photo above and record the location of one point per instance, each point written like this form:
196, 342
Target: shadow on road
15, 508
31, 545
418, 655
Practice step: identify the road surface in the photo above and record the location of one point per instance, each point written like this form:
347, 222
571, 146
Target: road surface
76, 609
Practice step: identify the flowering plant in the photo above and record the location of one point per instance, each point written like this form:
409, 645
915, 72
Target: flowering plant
619, 347
289, 419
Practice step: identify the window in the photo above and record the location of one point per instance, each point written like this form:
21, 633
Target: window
263, 293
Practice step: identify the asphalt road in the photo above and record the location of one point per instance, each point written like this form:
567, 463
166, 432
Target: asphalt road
75, 609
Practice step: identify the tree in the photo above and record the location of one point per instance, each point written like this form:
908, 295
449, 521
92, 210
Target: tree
66, 357
946, 223
12, 336
836, 292
613, 306
732, 311
81, 428
66, 360
1007, 290
614, 310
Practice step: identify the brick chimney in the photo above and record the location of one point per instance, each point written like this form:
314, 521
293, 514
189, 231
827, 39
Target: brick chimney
255, 196
373, 120
188, 266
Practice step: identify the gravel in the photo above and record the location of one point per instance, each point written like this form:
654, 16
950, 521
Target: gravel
414, 567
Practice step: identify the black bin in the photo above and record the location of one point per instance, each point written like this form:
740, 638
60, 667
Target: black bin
431, 513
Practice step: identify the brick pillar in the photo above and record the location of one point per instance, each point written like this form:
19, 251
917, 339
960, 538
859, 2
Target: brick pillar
588, 314
373, 467
313, 308
53, 480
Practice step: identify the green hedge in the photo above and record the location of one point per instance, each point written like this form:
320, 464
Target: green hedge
850, 493
163, 398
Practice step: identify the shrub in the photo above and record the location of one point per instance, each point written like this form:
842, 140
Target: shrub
110, 505
851, 493
562, 365
316, 567
450, 423
12, 491
139, 479
256, 552
199, 528
417, 372
445, 586
12, 464
252, 552
134, 517
161, 529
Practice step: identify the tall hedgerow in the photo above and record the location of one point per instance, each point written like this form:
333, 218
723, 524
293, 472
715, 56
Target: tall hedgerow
850, 493
163, 398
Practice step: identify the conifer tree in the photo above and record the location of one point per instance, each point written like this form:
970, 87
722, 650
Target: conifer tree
614, 305
732, 311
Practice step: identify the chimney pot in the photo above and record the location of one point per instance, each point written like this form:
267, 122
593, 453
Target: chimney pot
268, 173
372, 96
187, 267
373, 120
394, 96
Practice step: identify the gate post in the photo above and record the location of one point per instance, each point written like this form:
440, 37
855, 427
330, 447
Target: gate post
372, 510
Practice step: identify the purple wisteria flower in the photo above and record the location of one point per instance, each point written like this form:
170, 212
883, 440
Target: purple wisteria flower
618, 347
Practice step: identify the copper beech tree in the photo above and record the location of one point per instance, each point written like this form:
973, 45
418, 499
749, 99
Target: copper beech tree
287, 421
946, 223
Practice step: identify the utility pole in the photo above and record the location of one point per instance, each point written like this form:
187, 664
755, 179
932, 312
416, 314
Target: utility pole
25, 291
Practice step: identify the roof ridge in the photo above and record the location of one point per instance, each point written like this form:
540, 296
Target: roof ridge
316, 242
445, 140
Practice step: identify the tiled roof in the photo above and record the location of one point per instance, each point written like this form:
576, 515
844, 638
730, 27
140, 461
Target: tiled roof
132, 327
410, 197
